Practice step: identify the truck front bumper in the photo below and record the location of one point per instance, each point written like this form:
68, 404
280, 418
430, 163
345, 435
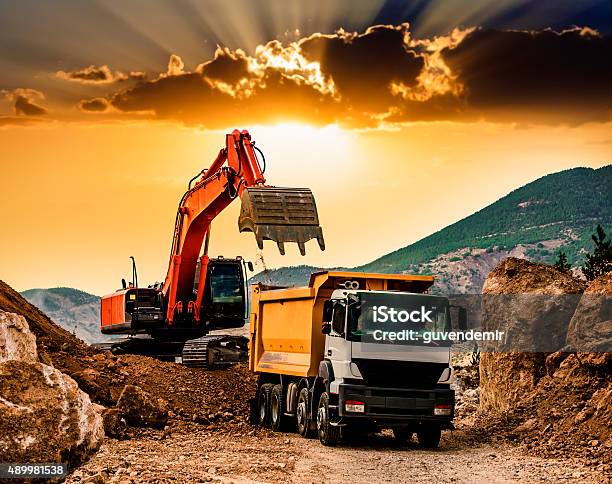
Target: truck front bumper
396, 405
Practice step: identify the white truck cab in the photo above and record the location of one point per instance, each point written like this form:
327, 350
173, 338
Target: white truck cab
381, 365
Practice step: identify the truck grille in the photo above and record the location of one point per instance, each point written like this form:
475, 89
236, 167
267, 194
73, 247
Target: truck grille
404, 374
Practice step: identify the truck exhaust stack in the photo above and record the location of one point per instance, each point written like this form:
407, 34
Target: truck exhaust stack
282, 215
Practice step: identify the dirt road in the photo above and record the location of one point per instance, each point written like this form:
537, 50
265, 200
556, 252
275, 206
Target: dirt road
193, 454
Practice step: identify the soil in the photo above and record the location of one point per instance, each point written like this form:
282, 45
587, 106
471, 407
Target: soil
208, 436
240, 453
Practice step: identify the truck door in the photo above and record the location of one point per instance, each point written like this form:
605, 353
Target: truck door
337, 348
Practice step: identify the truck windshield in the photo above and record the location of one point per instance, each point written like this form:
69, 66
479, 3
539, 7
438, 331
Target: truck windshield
396, 318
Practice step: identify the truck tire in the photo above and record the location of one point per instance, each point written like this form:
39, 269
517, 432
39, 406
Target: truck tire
329, 435
429, 437
277, 409
263, 405
402, 434
302, 414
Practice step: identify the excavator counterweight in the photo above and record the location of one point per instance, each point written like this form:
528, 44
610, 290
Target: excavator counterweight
282, 215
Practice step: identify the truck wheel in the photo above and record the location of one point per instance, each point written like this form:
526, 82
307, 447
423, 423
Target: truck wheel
302, 413
402, 434
328, 434
263, 405
277, 409
429, 437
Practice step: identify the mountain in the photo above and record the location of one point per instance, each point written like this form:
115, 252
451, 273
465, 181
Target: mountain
74, 310
557, 212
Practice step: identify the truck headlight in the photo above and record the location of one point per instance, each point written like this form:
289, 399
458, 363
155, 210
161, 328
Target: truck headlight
442, 409
354, 406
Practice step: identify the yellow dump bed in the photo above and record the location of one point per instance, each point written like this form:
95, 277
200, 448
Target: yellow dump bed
285, 324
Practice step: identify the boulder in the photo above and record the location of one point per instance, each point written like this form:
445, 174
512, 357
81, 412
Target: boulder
115, 424
141, 409
16, 340
533, 304
591, 326
44, 416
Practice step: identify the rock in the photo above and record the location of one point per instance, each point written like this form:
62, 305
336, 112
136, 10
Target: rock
554, 360
90, 381
591, 326
16, 340
141, 409
114, 422
584, 415
44, 416
533, 304
528, 425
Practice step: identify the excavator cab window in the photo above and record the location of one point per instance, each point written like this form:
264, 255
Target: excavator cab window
224, 300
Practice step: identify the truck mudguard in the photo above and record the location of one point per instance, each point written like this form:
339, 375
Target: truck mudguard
326, 372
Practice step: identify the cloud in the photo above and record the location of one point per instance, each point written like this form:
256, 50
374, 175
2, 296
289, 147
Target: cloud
385, 76
95, 105
9, 121
557, 76
175, 66
25, 101
98, 75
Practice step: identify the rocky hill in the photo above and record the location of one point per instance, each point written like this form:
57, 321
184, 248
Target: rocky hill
556, 212
74, 310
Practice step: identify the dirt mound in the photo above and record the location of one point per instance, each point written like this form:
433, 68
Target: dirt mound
214, 398
556, 403
56, 346
207, 397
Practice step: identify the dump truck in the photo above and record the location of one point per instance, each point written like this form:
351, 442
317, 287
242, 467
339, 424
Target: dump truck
348, 355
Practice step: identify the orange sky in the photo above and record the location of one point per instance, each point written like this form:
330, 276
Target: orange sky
402, 118
78, 200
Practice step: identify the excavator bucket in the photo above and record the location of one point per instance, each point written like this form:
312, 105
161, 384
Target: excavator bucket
282, 215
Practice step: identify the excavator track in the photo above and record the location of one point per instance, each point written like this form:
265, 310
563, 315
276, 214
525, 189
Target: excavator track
215, 351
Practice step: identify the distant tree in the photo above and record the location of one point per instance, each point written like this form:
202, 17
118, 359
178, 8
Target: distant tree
562, 263
600, 261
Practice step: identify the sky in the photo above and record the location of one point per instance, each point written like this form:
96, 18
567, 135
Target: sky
402, 117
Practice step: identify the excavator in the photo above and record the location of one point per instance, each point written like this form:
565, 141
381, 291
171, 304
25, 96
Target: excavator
200, 293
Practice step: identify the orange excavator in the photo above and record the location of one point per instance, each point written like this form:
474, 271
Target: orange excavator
201, 294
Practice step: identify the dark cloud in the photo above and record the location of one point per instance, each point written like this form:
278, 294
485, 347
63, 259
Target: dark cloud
547, 74
364, 66
95, 105
385, 76
227, 66
25, 101
26, 107
99, 75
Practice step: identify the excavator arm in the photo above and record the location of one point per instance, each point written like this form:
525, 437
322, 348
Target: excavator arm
278, 214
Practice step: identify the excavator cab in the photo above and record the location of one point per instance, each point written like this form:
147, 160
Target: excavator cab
224, 304
282, 215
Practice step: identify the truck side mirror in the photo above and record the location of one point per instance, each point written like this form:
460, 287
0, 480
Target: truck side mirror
462, 319
328, 311
123, 284
250, 266
326, 328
